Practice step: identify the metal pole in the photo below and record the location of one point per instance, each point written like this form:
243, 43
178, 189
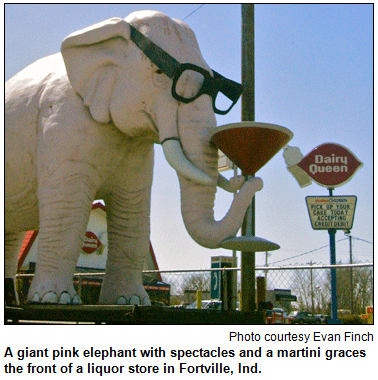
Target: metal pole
261, 293
332, 244
234, 274
312, 291
351, 274
248, 292
266, 272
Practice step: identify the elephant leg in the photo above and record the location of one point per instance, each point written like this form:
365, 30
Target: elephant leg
13, 243
65, 201
128, 215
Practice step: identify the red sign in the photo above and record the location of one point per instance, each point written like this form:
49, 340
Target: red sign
330, 165
91, 242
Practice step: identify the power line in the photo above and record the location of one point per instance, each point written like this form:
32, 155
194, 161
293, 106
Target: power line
317, 249
193, 11
366, 241
306, 253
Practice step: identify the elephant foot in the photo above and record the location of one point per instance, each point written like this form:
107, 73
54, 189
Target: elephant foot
134, 300
51, 297
124, 293
52, 293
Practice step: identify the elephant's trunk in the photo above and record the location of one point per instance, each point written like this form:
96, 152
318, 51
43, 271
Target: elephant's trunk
197, 200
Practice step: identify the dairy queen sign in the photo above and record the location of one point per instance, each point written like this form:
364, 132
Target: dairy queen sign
330, 165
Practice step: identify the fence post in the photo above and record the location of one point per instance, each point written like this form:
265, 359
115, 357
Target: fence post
227, 291
261, 293
199, 299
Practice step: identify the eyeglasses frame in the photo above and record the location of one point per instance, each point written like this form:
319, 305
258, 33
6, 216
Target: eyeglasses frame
173, 69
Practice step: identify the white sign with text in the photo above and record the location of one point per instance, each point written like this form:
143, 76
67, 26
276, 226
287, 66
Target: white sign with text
331, 212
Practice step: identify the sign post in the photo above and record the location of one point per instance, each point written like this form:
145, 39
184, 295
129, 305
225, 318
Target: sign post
331, 165
332, 252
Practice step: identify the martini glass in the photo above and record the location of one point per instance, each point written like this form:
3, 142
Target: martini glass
250, 145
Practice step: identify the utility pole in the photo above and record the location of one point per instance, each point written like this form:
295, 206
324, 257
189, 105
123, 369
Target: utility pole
312, 290
234, 274
351, 272
248, 292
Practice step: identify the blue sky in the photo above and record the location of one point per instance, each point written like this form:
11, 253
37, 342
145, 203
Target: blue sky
314, 75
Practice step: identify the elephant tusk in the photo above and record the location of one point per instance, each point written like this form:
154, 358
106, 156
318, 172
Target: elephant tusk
175, 157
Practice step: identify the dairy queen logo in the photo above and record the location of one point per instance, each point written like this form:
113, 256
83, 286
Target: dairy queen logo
91, 243
330, 165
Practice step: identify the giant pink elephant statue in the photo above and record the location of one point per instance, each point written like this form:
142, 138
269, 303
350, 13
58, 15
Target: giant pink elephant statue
81, 125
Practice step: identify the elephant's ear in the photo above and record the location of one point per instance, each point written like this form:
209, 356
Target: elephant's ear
93, 57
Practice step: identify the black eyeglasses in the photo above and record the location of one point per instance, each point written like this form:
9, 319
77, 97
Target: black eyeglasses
190, 81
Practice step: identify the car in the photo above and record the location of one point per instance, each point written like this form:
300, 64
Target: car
323, 318
276, 316
207, 304
303, 317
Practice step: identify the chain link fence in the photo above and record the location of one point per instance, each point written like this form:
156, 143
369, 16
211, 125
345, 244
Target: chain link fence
309, 283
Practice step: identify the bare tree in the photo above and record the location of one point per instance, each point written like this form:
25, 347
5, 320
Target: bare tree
354, 289
311, 291
198, 281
